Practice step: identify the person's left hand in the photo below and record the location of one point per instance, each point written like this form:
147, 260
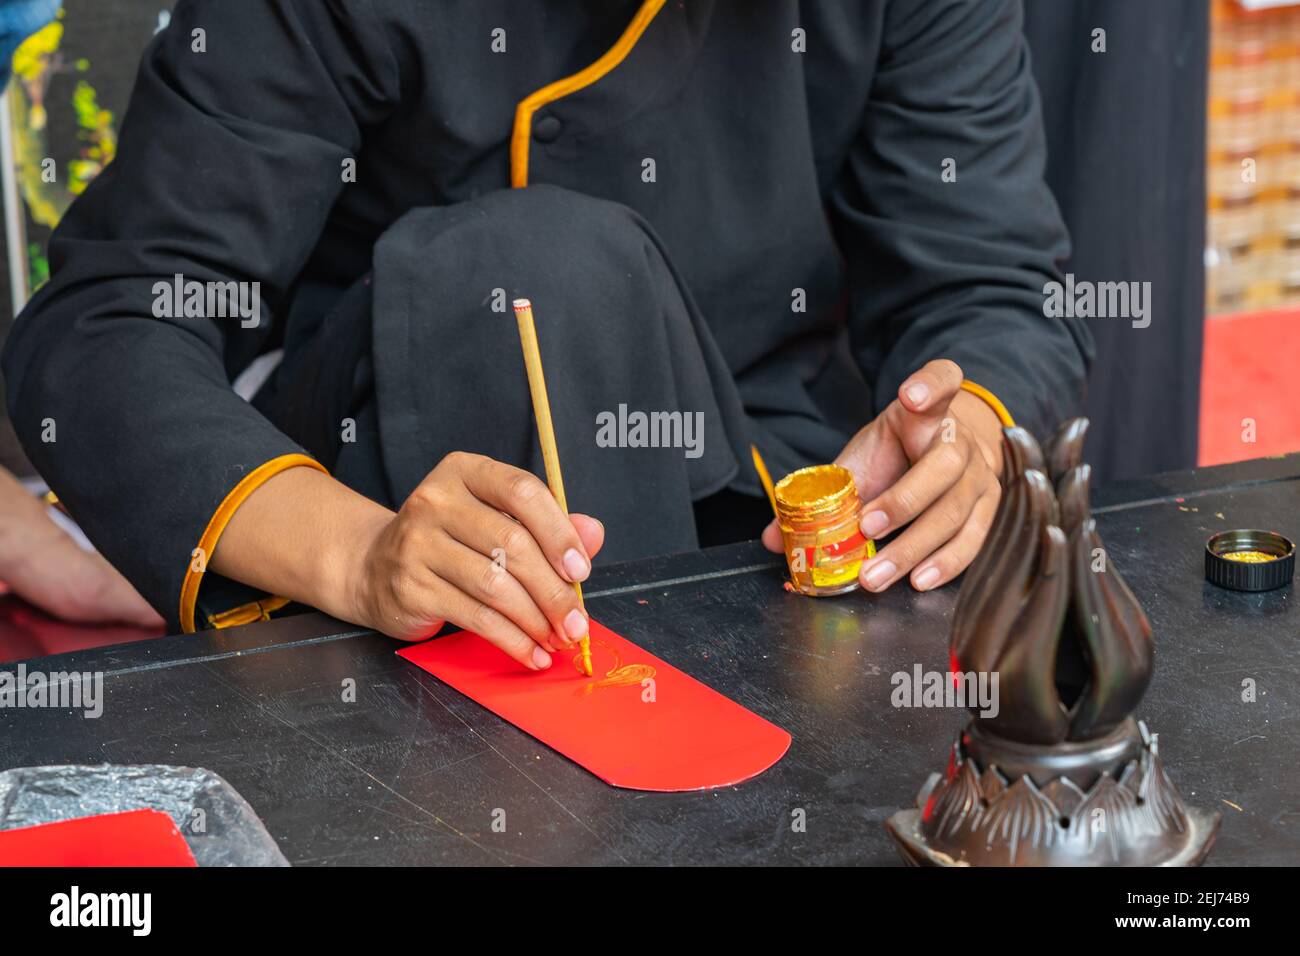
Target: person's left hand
43, 565
931, 459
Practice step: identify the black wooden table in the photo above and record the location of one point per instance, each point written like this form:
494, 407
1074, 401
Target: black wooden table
414, 773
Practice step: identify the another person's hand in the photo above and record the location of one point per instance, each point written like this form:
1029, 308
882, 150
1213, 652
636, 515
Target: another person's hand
930, 460
44, 566
485, 546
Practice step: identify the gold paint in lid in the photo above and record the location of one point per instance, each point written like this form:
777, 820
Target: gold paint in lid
1250, 557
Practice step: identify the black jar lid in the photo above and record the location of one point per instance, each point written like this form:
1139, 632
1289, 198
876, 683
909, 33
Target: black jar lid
1271, 563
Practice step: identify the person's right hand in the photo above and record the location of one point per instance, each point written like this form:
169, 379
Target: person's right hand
485, 546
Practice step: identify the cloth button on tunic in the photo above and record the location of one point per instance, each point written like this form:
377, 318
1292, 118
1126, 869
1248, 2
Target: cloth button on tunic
546, 129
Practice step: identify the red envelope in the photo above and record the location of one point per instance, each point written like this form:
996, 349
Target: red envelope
637, 723
133, 838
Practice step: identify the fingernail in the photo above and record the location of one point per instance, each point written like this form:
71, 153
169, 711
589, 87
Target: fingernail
541, 659
927, 579
575, 625
880, 573
918, 393
874, 523
575, 565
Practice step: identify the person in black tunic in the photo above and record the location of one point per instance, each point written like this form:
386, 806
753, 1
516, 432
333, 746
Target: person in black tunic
817, 227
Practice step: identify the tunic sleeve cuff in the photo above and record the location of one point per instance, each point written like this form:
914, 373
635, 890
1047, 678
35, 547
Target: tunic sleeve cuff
212, 533
991, 400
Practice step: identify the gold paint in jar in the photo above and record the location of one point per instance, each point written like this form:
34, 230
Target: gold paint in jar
817, 509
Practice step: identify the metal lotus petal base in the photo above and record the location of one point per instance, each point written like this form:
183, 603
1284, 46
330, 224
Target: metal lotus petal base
1106, 802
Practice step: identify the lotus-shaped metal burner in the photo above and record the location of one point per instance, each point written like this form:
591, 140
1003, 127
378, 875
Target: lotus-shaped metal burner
1061, 774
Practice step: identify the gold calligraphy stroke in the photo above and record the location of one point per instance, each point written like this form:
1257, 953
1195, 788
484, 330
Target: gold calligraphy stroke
620, 675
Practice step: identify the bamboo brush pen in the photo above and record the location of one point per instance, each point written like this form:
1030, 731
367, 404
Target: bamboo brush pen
760, 466
546, 434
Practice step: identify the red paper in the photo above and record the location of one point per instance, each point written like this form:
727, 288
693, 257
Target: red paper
689, 737
133, 838
27, 633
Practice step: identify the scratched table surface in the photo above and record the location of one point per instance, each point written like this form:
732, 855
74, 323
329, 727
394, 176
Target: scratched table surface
414, 773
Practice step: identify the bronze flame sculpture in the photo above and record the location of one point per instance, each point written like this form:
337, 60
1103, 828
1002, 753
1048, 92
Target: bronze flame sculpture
1061, 775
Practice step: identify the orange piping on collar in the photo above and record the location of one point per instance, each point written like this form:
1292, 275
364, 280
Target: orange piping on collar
519, 139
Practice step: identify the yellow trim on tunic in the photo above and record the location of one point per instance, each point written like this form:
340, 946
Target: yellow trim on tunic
520, 138
212, 533
991, 400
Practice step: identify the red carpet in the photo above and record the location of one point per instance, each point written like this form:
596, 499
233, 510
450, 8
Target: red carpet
1251, 371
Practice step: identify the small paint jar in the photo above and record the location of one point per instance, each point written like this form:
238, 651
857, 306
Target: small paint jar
817, 510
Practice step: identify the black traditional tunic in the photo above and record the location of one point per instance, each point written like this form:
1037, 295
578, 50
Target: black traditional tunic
766, 212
